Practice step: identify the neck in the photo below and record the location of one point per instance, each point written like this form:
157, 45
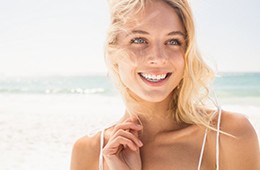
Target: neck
155, 117
139, 106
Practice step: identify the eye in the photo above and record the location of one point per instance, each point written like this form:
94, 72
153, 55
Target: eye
138, 41
173, 42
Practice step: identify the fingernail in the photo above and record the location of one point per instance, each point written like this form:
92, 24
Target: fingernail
139, 126
140, 143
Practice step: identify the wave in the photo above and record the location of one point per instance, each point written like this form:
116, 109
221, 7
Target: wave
55, 91
226, 85
56, 85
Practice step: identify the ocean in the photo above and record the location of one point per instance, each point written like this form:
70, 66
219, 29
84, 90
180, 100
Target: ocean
41, 117
226, 85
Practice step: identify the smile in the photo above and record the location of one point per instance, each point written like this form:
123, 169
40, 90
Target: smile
154, 77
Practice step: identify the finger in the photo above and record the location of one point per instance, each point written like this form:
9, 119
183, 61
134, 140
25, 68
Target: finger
125, 139
135, 133
128, 135
137, 121
113, 147
133, 119
127, 126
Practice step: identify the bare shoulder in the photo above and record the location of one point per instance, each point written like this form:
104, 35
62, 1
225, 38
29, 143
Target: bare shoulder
242, 150
85, 153
237, 124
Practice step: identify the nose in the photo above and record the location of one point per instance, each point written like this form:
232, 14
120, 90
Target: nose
157, 55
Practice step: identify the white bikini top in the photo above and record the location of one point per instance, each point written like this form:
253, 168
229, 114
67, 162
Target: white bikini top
201, 152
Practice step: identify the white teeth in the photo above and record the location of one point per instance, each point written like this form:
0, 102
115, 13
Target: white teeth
153, 78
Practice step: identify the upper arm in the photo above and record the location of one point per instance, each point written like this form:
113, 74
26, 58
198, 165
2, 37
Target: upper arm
85, 154
241, 152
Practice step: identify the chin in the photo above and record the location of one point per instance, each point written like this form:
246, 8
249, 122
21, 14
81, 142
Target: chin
150, 97
155, 98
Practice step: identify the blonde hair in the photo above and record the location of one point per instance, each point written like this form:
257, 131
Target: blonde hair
189, 98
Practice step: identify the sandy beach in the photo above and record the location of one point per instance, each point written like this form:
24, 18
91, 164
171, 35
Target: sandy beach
38, 131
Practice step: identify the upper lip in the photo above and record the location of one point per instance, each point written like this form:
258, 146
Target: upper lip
154, 75
154, 72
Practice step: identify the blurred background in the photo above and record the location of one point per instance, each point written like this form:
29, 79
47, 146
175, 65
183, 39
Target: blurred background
53, 83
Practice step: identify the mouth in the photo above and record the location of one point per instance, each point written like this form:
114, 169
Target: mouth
154, 78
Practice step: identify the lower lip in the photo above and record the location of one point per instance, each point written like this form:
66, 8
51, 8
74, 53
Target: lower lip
155, 84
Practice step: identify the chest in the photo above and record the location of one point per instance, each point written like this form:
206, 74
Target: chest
180, 156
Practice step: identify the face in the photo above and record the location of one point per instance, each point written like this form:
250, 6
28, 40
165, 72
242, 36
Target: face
155, 44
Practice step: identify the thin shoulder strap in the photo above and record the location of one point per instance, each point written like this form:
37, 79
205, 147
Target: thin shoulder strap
202, 148
217, 142
218, 138
100, 152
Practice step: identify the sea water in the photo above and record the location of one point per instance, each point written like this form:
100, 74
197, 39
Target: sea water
41, 117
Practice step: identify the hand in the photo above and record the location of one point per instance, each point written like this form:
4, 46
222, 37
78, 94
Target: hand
122, 149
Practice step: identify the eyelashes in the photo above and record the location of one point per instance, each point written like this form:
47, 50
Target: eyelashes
138, 40
171, 42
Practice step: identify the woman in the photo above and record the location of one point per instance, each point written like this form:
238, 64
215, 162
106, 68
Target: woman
152, 57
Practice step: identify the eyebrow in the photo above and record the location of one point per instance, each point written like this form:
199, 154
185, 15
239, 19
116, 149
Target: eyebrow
146, 33
177, 33
137, 32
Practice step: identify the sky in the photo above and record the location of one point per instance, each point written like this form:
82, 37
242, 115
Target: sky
65, 37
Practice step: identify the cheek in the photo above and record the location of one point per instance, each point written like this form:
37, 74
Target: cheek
177, 58
137, 55
179, 64
126, 70
179, 61
142, 53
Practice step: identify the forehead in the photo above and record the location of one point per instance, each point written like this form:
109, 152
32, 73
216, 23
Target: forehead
156, 15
